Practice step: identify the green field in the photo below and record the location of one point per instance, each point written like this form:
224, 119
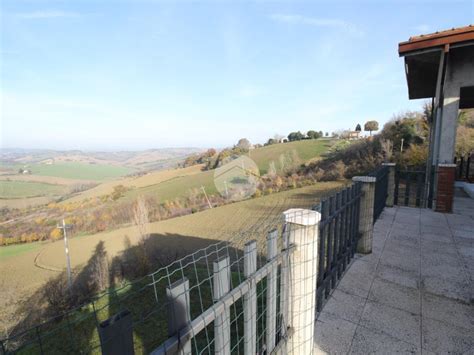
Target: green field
177, 187
24, 189
17, 249
80, 171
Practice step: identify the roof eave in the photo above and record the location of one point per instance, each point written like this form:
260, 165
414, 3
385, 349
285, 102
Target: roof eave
405, 48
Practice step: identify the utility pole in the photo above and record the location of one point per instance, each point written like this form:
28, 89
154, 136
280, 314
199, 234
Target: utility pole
401, 146
205, 194
65, 227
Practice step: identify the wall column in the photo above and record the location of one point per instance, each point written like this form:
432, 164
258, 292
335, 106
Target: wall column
449, 123
390, 184
366, 215
444, 200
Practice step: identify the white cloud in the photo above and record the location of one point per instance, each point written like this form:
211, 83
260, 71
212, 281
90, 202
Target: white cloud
250, 91
46, 14
318, 22
422, 29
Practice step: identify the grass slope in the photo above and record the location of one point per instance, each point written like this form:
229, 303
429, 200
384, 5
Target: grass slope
305, 150
24, 189
136, 182
180, 186
15, 250
80, 171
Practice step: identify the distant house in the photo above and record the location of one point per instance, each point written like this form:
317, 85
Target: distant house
353, 134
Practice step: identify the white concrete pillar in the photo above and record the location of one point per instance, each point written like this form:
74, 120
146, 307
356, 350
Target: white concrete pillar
459, 73
302, 227
390, 184
449, 123
366, 213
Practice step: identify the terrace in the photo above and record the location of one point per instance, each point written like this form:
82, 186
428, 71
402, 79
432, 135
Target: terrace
408, 289
413, 293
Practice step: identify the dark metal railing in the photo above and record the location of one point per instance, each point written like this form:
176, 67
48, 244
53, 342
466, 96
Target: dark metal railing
411, 189
338, 236
464, 168
381, 190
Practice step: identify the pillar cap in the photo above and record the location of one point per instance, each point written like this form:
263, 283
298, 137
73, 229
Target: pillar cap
364, 179
389, 164
302, 216
445, 165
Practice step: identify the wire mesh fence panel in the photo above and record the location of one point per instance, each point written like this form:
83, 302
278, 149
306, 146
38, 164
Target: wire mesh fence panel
235, 321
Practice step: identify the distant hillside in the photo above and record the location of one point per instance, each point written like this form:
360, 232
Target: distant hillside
37, 177
281, 156
138, 160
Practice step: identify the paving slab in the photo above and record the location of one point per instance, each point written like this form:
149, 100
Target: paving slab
345, 306
408, 260
396, 296
448, 310
458, 289
395, 322
397, 275
369, 341
444, 338
333, 335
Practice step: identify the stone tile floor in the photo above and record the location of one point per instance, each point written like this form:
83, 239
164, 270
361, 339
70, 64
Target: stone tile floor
413, 294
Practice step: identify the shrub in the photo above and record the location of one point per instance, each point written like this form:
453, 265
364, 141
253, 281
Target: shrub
414, 156
56, 234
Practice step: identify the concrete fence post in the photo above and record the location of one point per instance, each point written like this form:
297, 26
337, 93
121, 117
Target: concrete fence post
250, 299
272, 252
390, 184
179, 313
303, 231
221, 281
366, 215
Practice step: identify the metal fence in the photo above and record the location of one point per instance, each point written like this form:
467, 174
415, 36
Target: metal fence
381, 189
338, 236
464, 168
411, 188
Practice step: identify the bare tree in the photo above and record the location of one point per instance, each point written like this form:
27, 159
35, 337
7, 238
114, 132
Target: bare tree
100, 268
387, 149
140, 217
272, 169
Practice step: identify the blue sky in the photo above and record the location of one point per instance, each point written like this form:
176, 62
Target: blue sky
150, 74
